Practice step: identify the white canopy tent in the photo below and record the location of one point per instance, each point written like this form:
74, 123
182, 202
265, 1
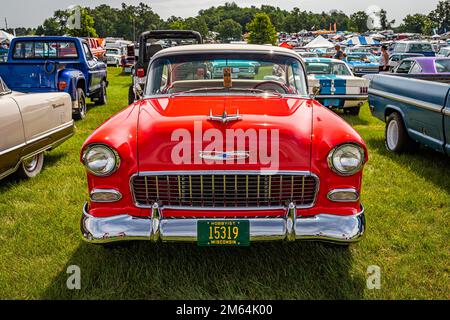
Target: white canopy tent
5, 36
320, 42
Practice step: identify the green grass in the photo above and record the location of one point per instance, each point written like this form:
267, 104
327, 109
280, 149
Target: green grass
407, 200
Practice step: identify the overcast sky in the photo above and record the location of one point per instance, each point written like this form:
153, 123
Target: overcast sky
32, 13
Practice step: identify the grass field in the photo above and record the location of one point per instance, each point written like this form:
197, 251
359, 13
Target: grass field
407, 201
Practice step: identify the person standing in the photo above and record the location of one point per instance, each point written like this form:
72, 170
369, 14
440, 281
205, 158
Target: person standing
340, 55
384, 62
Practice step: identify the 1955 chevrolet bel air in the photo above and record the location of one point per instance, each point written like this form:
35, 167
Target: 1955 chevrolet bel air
31, 124
224, 161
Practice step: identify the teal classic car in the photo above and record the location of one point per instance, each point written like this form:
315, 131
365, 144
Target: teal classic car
415, 111
239, 69
362, 63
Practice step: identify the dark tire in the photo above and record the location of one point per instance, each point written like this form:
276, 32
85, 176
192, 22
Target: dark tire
396, 136
354, 111
31, 167
131, 95
102, 98
82, 106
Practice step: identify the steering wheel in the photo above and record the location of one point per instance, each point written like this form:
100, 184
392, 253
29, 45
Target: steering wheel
271, 86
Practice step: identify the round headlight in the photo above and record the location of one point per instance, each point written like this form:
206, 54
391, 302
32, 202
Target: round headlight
101, 160
346, 159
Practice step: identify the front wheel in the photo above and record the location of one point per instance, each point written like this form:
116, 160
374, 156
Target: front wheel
81, 105
396, 136
31, 167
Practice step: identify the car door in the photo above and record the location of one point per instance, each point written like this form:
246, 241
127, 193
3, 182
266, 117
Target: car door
11, 131
94, 69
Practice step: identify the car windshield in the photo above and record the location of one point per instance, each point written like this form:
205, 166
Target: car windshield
340, 69
420, 47
242, 73
442, 65
112, 51
361, 58
45, 49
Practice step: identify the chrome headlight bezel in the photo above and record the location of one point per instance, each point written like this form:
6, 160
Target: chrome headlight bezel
113, 153
334, 168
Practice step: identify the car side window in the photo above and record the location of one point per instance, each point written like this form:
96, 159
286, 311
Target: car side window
416, 68
88, 52
404, 67
395, 58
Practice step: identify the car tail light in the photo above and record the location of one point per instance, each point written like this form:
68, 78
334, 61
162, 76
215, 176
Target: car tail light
62, 85
140, 72
363, 90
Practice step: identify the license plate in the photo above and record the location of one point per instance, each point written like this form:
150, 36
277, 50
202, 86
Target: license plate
331, 102
223, 233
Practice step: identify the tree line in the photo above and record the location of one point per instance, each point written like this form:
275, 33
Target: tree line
229, 21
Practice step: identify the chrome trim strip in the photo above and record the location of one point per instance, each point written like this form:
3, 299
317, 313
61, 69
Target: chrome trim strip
411, 101
112, 191
47, 147
446, 112
322, 227
45, 135
350, 190
12, 149
49, 133
223, 172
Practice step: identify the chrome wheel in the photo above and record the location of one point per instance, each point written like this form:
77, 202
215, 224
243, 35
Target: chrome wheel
31, 163
392, 135
32, 166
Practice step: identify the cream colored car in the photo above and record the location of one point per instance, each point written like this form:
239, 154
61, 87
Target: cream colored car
31, 124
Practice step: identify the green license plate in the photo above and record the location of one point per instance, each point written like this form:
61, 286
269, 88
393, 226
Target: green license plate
223, 233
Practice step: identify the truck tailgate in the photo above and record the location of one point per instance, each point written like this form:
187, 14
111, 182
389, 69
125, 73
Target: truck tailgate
24, 77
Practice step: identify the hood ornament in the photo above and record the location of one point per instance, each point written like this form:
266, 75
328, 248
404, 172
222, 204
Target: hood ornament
224, 118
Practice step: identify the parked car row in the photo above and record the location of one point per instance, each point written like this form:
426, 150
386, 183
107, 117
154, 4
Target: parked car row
56, 64
44, 83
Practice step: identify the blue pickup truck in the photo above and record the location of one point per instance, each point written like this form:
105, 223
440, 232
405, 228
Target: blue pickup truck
415, 111
56, 64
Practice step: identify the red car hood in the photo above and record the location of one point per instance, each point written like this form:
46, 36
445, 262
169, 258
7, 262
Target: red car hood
282, 124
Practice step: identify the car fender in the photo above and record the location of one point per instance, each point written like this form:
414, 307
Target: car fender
73, 78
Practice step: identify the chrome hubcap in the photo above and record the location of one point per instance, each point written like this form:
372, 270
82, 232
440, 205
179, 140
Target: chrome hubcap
30, 164
392, 135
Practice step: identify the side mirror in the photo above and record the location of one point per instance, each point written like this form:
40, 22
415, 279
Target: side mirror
315, 92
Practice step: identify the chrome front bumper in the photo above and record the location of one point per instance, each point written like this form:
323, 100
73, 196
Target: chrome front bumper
322, 227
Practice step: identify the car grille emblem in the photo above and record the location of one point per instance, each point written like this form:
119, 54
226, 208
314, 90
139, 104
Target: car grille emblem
224, 118
224, 156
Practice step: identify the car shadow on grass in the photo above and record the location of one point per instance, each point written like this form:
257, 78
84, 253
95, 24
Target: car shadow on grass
184, 271
424, 162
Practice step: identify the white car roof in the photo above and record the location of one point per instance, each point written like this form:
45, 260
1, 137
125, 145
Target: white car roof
218, 48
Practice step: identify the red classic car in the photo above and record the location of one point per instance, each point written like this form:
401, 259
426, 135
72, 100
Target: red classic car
219, 160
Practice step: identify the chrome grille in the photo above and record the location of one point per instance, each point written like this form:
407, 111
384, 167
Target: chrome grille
224, 190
